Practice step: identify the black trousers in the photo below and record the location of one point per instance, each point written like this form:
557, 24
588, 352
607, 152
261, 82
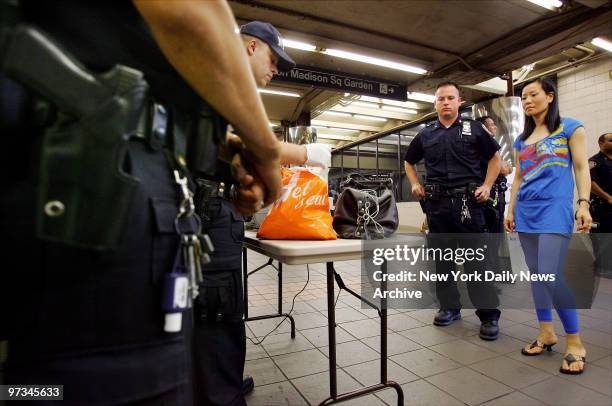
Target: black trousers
602, 241
444, 217
90, 320
219, 336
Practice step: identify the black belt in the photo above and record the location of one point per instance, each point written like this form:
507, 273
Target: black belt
454, 192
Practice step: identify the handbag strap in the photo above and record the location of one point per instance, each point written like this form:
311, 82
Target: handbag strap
363, 182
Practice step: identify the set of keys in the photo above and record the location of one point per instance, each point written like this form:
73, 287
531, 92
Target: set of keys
195, 246
465, 210
195, 250
181, 284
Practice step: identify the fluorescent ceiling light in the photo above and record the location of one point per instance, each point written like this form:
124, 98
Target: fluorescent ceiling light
374, 61
602, 43
365, 104
371, 118
429, 98
399, 109
336, 113
278, 93
299, 45
549, 4
338, 137
325, 127
407, 104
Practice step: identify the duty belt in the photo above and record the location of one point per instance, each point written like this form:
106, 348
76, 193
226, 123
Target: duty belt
208, 189
435, 191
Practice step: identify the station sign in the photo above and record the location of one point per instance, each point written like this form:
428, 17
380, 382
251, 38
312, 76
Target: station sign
325, 79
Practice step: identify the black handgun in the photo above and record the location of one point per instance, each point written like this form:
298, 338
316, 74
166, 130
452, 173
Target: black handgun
31, 58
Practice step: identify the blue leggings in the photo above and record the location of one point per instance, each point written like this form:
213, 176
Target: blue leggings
545, 254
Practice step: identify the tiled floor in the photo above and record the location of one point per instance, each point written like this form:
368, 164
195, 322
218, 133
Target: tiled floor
434, 365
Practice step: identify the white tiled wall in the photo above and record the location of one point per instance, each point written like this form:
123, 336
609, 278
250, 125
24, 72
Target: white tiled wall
585, 93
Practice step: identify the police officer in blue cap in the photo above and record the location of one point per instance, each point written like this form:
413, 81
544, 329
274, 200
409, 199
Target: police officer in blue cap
456, 188
220, 340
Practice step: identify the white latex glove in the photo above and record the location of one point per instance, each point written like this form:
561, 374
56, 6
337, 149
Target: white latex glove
318, 155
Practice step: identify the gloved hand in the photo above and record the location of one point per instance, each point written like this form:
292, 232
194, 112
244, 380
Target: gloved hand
318, 155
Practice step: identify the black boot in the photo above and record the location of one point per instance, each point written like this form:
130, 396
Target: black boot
248, 384
489, 330
446, 317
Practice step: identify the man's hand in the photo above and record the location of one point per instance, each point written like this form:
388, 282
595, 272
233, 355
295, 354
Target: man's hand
418, 191
482, 193
266, 171
233, 145
506, 168
250, 192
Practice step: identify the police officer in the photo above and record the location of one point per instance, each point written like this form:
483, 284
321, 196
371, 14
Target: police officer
453, 148
220, 341
494, 209
82, 310
601, 202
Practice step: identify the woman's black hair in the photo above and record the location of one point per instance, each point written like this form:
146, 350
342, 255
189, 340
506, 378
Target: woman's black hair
552, 120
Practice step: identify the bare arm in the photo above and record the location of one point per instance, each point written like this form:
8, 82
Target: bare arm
292, 154
417, 189
516, 184
577, 145
198, 39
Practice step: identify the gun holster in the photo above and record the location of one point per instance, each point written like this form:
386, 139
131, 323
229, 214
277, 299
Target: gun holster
202, 145
84, 193
433, 191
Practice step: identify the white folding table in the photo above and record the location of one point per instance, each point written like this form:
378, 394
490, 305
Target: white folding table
294, 252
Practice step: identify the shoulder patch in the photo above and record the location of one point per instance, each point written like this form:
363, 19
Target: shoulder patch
592, 164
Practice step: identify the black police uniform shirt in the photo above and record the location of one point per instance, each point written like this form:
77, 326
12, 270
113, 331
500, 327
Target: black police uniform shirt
601, 172
453, 155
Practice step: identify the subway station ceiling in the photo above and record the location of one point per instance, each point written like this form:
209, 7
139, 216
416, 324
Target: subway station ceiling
474, 43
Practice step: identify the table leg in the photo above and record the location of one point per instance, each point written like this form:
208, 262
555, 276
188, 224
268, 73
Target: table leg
245, 275
245, 278
331, 321
279, 275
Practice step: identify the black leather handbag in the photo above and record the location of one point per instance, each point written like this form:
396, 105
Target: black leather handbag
366, 209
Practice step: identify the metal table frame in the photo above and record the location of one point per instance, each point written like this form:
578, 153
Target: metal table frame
352, 251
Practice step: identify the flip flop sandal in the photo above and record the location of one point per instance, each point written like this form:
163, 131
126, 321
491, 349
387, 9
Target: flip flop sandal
570, 359
537, 344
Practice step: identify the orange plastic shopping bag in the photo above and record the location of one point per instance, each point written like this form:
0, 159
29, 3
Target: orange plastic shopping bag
302, 211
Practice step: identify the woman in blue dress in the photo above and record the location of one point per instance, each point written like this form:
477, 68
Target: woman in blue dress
541, 211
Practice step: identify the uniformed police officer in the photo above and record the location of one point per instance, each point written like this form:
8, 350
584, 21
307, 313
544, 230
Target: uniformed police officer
601, 202
220, 342
494, 210
453, 148
82, 310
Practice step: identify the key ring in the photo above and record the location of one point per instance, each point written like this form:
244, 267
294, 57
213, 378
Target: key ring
178, 222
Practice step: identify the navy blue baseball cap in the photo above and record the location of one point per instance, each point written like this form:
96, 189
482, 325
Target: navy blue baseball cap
270, 35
